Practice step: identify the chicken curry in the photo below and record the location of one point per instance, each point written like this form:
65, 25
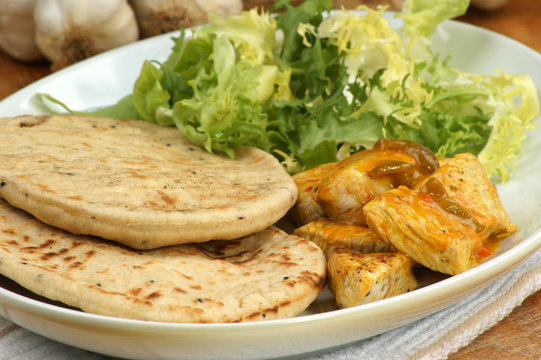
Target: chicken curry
383, 212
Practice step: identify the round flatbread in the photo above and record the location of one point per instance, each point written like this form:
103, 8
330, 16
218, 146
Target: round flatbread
137, 183
266, 275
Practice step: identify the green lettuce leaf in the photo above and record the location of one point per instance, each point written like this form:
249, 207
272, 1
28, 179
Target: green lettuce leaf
517, 105
312, 87
124, 108
421, 17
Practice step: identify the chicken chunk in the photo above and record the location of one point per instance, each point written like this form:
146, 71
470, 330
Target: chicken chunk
329, 235
306, 209
344, 191
417, 225
465, 181
356, 278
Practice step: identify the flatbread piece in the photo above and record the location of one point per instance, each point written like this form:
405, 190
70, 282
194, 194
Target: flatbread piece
137, 183
267, 275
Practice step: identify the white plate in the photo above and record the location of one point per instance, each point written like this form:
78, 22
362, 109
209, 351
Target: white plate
104, 79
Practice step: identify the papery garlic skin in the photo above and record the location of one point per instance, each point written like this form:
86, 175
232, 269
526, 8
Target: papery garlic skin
17, 30
160, 16
222, 8
68, 31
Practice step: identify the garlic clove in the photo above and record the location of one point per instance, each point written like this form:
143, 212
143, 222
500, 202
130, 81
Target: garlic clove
70, 31
17, 30
397, 4
160, 16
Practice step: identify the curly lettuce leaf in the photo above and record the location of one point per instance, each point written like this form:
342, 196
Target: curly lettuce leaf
313, 87
421, 17
517, 105
148, 92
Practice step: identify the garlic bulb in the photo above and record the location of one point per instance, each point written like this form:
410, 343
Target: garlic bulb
397, 4
161, 16
17, 30
68, 31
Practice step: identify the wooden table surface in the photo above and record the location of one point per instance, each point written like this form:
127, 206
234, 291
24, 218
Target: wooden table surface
518, 335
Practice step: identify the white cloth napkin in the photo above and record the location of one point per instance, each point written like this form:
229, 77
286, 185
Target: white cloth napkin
434, 337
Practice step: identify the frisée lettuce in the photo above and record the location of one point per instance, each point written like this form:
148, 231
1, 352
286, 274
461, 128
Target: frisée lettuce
312, 86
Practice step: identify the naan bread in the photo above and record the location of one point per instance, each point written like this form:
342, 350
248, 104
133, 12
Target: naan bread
140, 184
267, 275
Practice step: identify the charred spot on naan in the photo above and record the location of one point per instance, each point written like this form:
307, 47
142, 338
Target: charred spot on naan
33, 121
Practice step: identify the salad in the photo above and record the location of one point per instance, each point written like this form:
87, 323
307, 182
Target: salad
313, 86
